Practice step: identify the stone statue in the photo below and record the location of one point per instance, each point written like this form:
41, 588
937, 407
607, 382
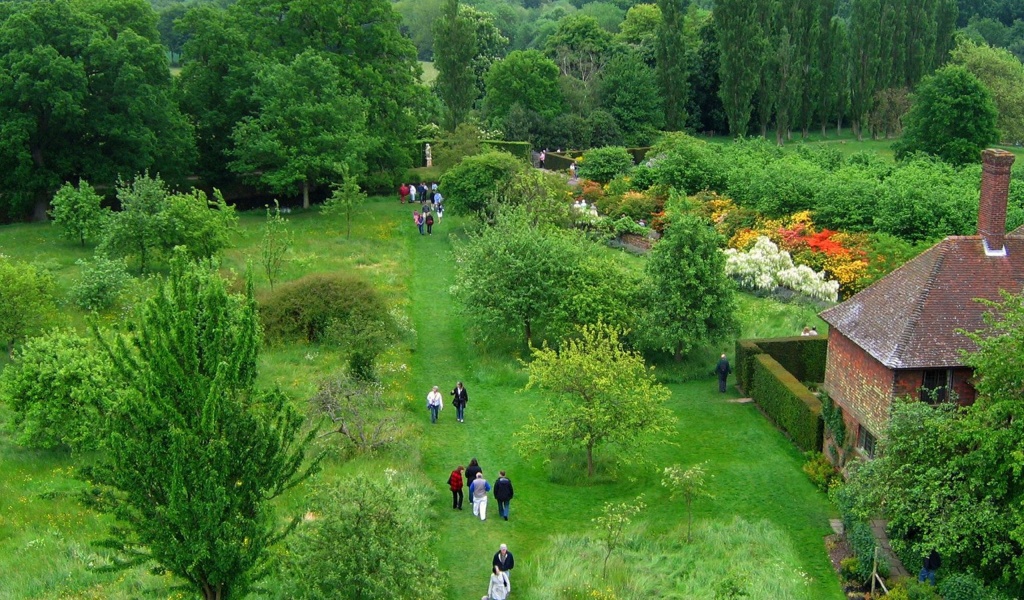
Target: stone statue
430, 158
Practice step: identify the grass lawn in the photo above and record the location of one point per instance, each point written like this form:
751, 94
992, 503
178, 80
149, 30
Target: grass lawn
429, 72
754, 471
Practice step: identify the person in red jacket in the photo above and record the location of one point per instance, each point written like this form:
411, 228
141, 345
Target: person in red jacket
455, 484
403, 193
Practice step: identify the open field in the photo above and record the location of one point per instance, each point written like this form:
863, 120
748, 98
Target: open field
755, 474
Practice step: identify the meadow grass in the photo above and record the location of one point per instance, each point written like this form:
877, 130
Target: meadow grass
754, 472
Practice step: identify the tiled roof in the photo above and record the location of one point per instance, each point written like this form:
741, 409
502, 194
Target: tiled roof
909, 318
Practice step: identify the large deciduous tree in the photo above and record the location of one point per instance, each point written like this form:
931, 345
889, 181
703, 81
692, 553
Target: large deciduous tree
953, 117
84, 93
602, 394
526, 78
690, 300
197, 452
454, 49
1003, 75
309, 128
629, 91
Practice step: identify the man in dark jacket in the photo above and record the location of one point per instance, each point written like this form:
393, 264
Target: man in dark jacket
503, 494
722, 369
461, 398
503, 559
931, 564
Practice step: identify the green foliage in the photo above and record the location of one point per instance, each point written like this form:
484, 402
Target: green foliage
690, 484
466, 140
78, 211
832, 416
137, 230
613, 523
520, 150
629, 92
455, 45
340, 310
820, 471
357, 541
309, 127
26, 301
276, 241
746, 351
101, 284
925, 199
602, 393
345, 198
202, 226
60, 391
803, 356
604, 164
910, 589
953, 117
787, 402
690, 300
197, 452
526, 78
523, 275
687, 164
85, 92
1002, 74
470, 186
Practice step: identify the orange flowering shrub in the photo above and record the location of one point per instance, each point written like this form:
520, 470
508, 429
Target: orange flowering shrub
591, 191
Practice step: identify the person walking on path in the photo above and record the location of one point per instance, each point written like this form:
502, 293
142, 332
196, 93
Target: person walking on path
455, 484
503, 559
478, 494
403, 192
460, 400
472, 470
434, 404
430, 224
543, 156
722, 369
499, 586
412, 193
416, 218
503, 494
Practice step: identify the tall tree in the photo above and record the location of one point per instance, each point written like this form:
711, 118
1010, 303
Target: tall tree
742, 43
629, 92
84, 93
580, 47
308, 130
690, 299
197, 452
1003, 75
674, 61
603, 395
526, 78
953, 117
454, 48
865, 57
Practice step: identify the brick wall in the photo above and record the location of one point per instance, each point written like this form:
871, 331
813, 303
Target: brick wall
995, 185
908, 383
859, 383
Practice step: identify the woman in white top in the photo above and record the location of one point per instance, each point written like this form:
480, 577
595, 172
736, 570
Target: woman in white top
500, 587
434, 404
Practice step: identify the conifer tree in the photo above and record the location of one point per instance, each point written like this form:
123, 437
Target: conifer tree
454, 51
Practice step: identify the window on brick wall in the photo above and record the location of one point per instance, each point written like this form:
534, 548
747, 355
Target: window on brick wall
865, 441
935, 386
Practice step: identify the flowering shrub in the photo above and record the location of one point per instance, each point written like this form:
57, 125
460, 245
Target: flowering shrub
765, 267
591, 191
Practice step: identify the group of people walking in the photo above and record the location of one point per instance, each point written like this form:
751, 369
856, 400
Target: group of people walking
432, 204
479, 487
435, 403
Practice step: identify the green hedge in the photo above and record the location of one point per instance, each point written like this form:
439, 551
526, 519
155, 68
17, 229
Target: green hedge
518, 149
746, 350
803, 356
787, 402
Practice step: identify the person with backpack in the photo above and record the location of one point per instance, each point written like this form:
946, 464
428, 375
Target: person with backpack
430, 223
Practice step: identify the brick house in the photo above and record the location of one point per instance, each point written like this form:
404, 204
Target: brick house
898, 337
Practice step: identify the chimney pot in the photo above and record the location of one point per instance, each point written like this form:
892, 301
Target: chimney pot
995, 190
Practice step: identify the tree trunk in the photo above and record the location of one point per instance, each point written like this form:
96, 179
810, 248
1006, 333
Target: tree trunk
305, 194
590, 459
529, 333
679, 348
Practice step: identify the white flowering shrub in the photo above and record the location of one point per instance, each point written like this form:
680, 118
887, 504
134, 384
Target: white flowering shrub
766, 267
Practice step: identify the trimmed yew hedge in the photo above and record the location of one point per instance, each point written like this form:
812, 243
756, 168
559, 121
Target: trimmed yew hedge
787, 402
803, 356
521, 150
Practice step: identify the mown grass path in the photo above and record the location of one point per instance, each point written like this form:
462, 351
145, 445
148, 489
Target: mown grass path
755, 470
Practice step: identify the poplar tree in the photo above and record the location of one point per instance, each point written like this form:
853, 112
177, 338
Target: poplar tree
454, 50
197, 452
742, 43
865, 56
673, 62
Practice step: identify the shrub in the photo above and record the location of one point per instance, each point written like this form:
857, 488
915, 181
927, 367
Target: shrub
336, 309
26, 301
787, 402
820, 470
101, 284
604, 164
964, 586
803, 356
60, 390
765, 267
471, 186
687, 164
78, 211
911, 589
746, 350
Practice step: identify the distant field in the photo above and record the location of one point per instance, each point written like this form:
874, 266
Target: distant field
848, 144
429, 72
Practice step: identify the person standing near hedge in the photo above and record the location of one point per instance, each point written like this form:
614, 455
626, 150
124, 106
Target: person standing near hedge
722, 369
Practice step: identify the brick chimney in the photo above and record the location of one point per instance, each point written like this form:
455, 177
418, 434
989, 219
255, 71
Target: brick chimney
995, 189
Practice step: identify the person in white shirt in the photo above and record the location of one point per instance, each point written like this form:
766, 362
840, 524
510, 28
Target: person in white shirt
434, 404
